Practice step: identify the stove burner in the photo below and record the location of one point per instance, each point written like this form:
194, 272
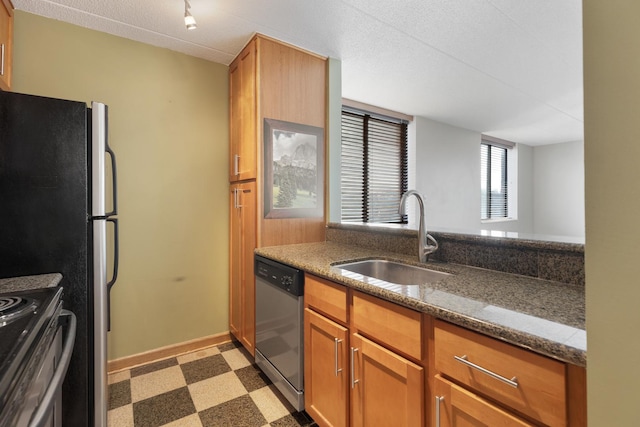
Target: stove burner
14, 307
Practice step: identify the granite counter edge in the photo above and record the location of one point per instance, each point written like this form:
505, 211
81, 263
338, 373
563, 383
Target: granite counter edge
554, 349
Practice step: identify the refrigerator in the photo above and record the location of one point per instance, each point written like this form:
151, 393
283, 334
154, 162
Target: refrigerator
58, 214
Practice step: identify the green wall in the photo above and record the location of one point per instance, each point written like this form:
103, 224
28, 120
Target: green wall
168, 124
612, 199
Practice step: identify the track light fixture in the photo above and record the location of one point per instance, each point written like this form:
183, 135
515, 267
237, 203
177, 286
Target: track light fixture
189, 20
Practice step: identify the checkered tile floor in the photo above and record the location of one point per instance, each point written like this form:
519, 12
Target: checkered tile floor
217, 386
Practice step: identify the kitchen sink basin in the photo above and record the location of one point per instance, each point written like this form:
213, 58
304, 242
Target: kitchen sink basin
393, 272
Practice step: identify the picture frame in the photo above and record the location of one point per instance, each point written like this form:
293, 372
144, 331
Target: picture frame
293, 170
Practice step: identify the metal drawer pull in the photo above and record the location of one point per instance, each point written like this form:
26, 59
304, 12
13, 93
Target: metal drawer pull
2, 59
439, 400
353, 375
236, 164
513, 382
336, 342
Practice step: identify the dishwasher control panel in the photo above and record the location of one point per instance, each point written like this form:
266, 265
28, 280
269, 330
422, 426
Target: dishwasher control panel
285, 277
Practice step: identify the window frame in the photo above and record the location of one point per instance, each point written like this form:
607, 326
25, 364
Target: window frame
364, 212
507, 182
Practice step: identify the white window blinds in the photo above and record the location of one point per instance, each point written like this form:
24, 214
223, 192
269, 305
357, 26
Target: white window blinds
374, 167
493, 180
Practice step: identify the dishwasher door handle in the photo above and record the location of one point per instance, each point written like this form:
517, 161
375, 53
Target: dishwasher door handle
48, 399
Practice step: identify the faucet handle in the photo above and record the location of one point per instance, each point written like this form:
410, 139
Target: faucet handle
429, 249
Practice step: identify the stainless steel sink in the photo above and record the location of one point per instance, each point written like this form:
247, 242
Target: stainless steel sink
393, 272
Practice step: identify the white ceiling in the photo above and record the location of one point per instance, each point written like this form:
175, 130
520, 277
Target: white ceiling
508, 68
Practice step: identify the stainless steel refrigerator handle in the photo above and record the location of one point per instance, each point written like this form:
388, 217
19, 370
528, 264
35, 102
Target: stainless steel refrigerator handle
116, 252
114, 174
39, 418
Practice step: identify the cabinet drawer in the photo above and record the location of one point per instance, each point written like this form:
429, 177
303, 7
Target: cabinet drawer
326, 297
455, 406
539, 385
391, 324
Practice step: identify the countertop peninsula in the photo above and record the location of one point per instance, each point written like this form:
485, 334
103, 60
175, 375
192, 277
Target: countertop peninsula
541, 315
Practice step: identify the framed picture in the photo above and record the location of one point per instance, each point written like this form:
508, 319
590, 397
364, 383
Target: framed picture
293, 170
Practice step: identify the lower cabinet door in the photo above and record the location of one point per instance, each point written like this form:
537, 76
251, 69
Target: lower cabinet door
242, 242
455, 406
326, 370
386, 389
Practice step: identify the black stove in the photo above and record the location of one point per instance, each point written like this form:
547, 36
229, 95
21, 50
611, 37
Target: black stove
28, 322
13, 307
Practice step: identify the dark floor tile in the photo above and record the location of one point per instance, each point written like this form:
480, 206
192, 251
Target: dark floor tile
163, 409
241, 411
295, 419
152, 367
204, 368
229, 346
252, 378
119, 394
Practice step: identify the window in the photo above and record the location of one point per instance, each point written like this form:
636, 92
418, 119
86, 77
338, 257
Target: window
374, 167
494, 185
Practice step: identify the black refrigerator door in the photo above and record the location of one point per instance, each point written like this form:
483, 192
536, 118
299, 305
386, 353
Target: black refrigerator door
44, 197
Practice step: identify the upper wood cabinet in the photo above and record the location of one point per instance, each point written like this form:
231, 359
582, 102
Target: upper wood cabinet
277, 83
6, 43
270, 80
243, 153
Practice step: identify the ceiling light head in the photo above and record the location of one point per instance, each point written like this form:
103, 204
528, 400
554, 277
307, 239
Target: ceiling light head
189, 20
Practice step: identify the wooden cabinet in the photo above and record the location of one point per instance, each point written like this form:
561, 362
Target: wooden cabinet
242, 281
355, 369
387, 389
243, 152
279, 82
326, 370
457, 407
6, 43
398, 327
527, 385
372, 362
326, 352
267, 80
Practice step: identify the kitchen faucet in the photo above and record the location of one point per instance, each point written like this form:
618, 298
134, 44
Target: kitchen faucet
424, 248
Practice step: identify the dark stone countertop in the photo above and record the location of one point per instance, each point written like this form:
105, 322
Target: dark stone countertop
24, 283
541, 315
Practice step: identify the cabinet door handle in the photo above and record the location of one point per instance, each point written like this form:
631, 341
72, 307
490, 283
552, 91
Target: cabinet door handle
439, 400
236, 164
513, 382
237, 198
353, 374
336, 342
2, 59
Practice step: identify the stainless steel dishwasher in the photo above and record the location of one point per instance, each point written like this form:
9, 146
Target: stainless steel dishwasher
279, 327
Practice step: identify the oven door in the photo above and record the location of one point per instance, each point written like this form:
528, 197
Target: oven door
43, 404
